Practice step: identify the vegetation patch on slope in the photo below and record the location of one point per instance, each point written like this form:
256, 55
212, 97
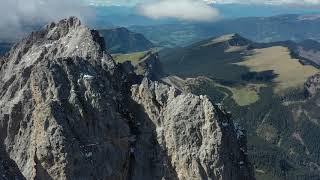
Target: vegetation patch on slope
243, 95
290, 72
134, 58
246, 95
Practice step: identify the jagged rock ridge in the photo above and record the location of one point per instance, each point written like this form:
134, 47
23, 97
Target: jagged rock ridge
199, 137
67, 112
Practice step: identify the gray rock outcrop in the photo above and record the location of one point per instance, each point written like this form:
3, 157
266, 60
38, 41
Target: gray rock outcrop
312, 86
149, 66
67, 111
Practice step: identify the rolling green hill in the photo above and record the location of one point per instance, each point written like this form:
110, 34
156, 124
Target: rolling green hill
121, 40
263, 85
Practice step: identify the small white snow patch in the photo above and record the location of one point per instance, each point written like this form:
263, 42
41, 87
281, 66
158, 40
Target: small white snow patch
86, 76
48, 45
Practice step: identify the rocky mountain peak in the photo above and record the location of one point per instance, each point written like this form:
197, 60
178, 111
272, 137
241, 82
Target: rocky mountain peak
238, 40
71, 22
67, 38
67, 111
230, 42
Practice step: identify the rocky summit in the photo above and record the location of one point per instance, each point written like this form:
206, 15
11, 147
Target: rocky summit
68, 111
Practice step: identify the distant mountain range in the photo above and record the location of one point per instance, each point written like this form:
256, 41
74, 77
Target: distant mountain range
121, 40
264, 86
107, 16
260, 29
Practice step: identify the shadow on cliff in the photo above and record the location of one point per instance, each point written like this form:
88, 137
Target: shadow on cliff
149, 160
41, 172
8, 167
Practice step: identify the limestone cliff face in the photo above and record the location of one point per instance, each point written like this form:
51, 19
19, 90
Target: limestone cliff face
66, 112
199, 138
59, 111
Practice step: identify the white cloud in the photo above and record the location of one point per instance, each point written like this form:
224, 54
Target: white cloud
114, 2
193, 10
16, 14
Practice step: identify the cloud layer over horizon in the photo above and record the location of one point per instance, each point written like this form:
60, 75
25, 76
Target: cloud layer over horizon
18, 15
196, 10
